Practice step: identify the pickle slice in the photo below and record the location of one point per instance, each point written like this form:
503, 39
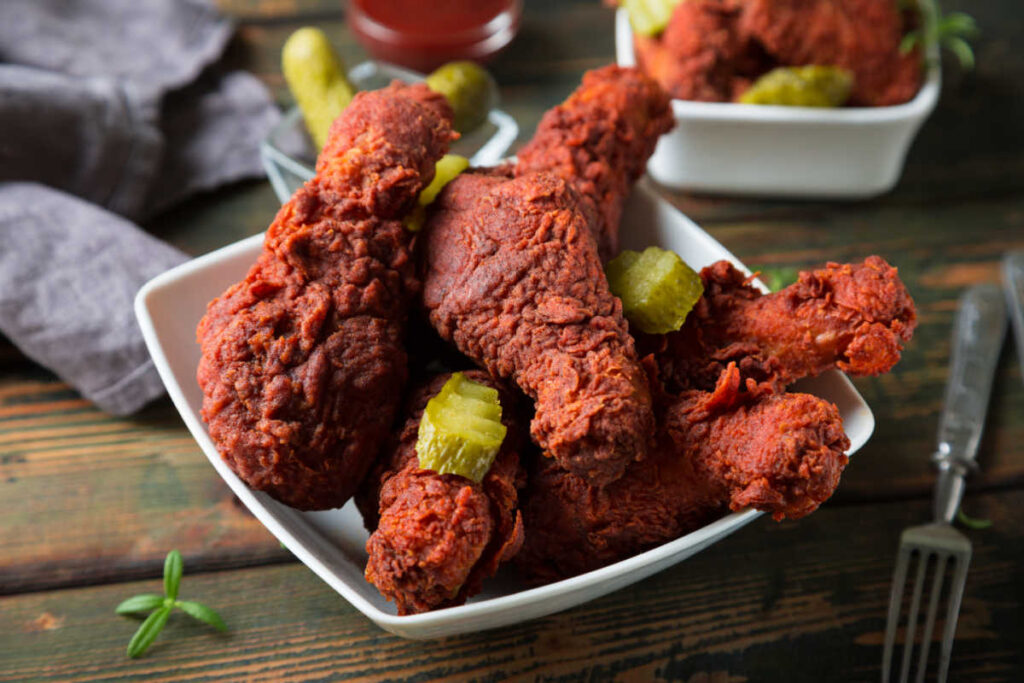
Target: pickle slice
316, 77
658, 290
468, 88
445, 171
461, 430
649, 17
801, 86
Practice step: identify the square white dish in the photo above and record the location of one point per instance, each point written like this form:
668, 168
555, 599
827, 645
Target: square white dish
771, 151
331, 543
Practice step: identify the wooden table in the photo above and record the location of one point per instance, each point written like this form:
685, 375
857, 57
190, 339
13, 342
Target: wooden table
90, 504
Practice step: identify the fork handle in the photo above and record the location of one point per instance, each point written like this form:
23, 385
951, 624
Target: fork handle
1013, 282
978, 333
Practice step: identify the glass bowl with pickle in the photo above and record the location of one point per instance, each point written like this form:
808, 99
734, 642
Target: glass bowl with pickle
322, 86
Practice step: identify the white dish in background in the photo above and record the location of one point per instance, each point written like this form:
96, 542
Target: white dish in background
728, 148
332, 543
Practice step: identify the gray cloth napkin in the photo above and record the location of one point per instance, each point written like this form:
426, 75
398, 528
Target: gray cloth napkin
68, 274
120, 103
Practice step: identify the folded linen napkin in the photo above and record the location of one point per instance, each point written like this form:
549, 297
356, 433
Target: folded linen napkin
120, 103
68, 274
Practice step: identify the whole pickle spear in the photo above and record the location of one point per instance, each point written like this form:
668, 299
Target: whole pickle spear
470, 91
316, 77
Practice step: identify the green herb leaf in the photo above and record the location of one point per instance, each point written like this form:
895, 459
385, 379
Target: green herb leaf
971, 522
198, 610
962, 50
909, 42
778, 278
148, 631
140, 603
951, 31
959, 24
173, 567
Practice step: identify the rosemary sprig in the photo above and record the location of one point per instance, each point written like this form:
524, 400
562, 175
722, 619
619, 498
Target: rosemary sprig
161, 606
778, 277
972, 522
951, 31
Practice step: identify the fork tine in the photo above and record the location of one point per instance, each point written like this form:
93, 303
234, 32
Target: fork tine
915, 604
956, 594
933, 608
899, 576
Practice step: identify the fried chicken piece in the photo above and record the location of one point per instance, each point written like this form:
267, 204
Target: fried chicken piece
512, 276
860, 35
854, 317
701, 55
302, 361
781, 453
599, 140
437, 537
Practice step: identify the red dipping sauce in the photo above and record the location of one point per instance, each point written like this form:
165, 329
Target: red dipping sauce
424, 34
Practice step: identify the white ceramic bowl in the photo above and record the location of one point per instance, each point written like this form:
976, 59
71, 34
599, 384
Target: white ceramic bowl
728, 148
332, 543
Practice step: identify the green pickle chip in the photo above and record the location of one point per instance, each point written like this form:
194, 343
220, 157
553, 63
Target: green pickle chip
658, 290
649, 17
801, 86
316, 77
468, 88
445, 170
461, 430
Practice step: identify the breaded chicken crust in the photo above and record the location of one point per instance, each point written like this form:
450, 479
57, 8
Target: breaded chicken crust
853, 317
302, 364
716, 451
599, 140
512, 276
436, 537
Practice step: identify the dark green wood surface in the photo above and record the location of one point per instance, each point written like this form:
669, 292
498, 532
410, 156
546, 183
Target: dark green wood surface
92, 503
791, 602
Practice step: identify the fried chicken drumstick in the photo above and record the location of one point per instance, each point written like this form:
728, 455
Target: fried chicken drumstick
701, 55
599, 141
436, 537
514, 281
512, 276
302, 361
726, 449
854, 317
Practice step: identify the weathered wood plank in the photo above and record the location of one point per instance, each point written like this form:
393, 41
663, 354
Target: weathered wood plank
798, 601
91, 498
266, 11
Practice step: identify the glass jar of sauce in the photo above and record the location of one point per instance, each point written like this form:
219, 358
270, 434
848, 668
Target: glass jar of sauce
424, 34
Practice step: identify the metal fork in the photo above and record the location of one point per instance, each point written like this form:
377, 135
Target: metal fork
1013, 282
978, 333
